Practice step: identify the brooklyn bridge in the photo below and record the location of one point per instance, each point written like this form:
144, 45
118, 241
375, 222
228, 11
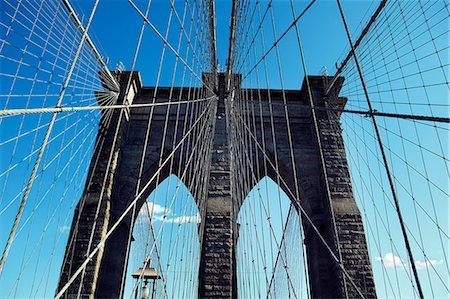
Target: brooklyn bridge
224, 149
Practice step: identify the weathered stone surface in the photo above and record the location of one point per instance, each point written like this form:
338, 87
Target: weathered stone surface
217, 267
338, 219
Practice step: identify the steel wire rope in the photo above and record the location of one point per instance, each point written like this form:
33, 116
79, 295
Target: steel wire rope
120, 219
60, 173
152, 26
163, 146
105, 122
410, 183
279, 253
110, 78
181, 23
265, 209
239, 195
198, 170
272, 125
398, 25
356, 29
202, 210
179, 172
190, 91
60, 235
175, 131
260, 25
253, 162
163, 135
246, 144
387, 227
261, 124
287, 116
363, 184
52, 140
279, 38
404, 55
392, 245
267, 213
115, 137
78, 23
399, 214
20, 128
40, 202
47, 135
47, 165
336, 125
65, 191
366, 39
258, 170
334, 122
102, 192
114, 141
155, 238
269, 4
371, 194
392, 205
437, 135
148, 127
41, 59
306, 215
289, 132
27, 241
8, 112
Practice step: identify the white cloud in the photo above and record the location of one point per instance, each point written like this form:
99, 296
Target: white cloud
155, 208
161, 212
390, 260
421, 265
63, 229
156, 211
183, 219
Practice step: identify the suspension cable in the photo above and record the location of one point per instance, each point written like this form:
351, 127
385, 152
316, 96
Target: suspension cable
383, 154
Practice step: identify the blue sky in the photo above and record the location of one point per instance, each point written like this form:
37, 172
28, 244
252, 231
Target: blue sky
417, 152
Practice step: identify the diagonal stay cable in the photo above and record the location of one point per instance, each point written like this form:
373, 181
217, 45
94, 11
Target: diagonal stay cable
358, 42
247, 162
279, 253
128, 209
90, 43
156, 237
166, 42
44, 143
305, 214
85, 108
383, 154
280, 38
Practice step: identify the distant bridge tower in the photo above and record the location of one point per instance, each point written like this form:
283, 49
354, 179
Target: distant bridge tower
334, 213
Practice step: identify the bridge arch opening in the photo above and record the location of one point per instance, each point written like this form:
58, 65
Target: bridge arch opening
270, 255
165, 232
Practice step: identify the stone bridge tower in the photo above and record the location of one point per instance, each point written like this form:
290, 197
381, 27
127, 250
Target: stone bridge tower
336, 216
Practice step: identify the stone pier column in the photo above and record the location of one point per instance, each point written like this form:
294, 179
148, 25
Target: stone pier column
94, 213
217, 269
341, 224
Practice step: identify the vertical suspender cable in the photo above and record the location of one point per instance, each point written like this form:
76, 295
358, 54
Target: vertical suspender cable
383, 154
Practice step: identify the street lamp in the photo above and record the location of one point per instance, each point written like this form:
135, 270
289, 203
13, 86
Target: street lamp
146, 274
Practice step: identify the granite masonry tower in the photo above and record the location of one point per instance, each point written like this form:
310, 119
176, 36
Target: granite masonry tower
332, 208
